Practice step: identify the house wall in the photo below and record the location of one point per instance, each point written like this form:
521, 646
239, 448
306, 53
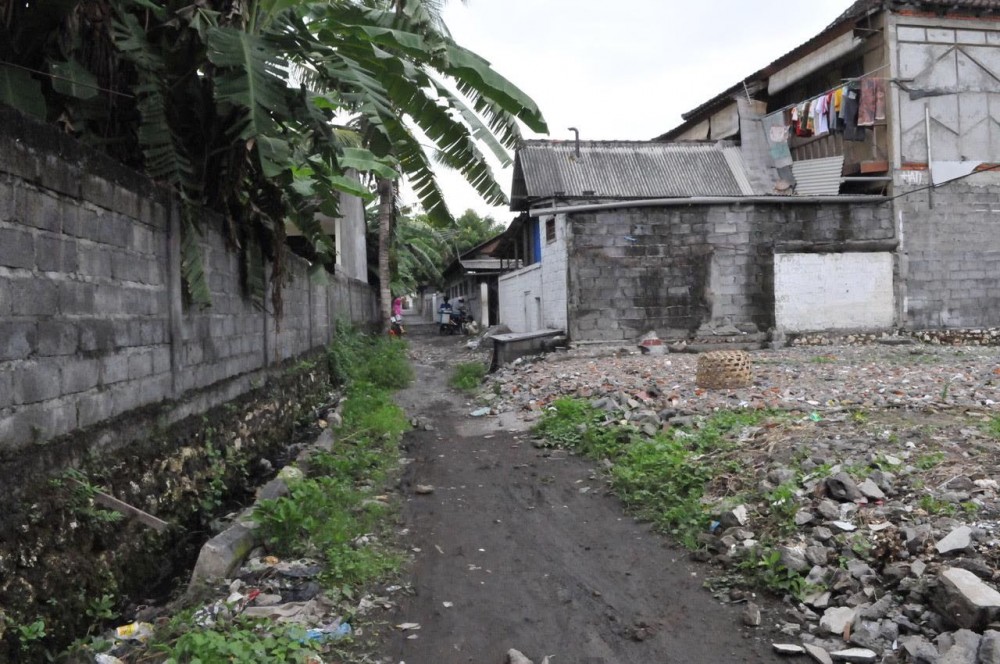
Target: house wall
681, 270
950, 244
535, 297
520, 299
91, 318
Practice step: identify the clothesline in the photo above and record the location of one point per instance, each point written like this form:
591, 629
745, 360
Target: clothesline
834, 88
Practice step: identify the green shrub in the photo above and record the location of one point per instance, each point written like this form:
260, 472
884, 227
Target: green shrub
663, 477
357, 357
468, 376
240, 641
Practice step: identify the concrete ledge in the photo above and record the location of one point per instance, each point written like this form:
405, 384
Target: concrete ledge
511, 346
224, 553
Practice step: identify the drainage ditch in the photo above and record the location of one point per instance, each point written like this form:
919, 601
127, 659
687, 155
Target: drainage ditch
71, 567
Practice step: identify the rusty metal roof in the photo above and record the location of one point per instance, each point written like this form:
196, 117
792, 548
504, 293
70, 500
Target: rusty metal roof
625, 170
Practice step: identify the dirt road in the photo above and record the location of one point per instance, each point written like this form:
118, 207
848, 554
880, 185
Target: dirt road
521, 548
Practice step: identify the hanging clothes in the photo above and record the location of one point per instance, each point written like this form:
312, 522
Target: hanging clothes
868, 102
852, 102
831, 105
841, 124
778, 131
802, 126
822, 116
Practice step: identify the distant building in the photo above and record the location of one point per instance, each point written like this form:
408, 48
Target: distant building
851, 184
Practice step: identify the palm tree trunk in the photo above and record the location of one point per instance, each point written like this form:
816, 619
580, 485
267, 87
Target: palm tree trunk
386, 198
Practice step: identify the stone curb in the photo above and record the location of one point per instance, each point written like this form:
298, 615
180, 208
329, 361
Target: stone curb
223, 554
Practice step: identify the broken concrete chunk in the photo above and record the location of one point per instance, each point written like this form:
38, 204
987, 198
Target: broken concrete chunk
424, 489
794, 558
817, 654
516, 657
845, 526
836, 618
751, 615
964, 650
842, 487
965, 600
735, 517
958, 539
788, 649
870, 490
828, 510
919, 649
803, 517
855, 655
867, 634
989, 648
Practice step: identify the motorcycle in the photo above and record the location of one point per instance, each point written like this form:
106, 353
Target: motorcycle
396, 328
451, 322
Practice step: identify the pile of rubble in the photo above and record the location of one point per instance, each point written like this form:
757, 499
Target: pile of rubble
887, 462
801, 379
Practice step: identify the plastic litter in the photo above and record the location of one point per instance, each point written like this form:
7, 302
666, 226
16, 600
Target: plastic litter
103, 658
136, 631
480, 412
333, 632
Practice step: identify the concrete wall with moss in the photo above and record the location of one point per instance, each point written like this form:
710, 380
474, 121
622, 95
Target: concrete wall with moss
92, 320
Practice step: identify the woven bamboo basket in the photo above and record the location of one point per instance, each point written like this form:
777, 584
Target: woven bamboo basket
724, 370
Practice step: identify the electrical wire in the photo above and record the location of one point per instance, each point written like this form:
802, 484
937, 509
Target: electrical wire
994, 167
63, 78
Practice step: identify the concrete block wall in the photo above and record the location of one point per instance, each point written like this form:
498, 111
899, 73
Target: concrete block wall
91, 318
950, 252
677, 269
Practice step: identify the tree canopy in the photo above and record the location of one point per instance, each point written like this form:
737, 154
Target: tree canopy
260, 109
421, 250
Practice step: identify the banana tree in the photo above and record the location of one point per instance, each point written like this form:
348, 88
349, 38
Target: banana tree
250, 108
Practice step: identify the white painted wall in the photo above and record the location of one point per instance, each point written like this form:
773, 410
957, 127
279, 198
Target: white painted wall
852, 291
534, 297
517, 297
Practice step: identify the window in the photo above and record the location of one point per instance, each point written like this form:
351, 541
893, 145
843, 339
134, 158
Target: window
550, 230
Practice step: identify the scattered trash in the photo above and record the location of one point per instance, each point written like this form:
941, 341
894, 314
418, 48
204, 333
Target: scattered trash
409, 626
480, 412
448, 605
136, 631
338, 630
424, 489
103, 658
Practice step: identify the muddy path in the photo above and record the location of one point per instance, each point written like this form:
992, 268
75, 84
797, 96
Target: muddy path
521, 548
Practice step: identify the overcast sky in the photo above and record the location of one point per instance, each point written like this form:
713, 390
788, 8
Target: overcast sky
625, 69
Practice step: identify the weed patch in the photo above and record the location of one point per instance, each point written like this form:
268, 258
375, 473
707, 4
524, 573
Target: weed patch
239, 641
661, 478
327, 514
468, 376
356, 357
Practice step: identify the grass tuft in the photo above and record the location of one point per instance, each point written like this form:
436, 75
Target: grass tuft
468, 376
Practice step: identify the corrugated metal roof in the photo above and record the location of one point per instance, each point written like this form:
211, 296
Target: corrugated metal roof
626, 170
818, 177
